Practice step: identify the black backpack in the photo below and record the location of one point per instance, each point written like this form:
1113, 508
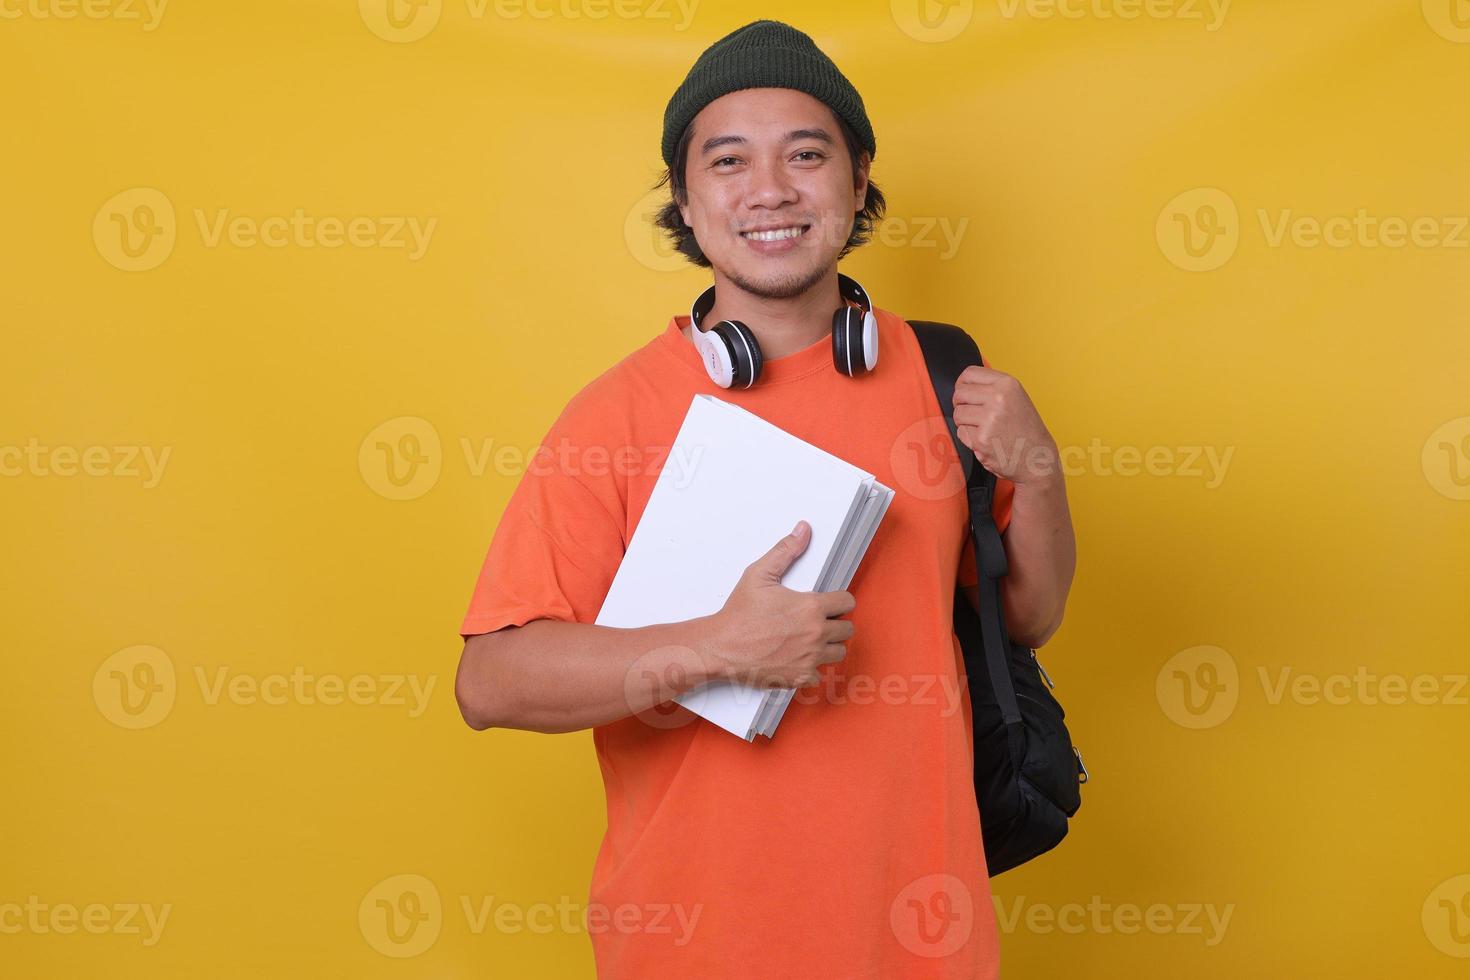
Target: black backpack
1027, 773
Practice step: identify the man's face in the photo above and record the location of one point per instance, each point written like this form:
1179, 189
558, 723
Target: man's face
771, 159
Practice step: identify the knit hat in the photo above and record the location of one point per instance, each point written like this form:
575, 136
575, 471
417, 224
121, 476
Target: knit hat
764, 54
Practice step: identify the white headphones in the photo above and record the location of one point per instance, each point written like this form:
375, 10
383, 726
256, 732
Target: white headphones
733, 358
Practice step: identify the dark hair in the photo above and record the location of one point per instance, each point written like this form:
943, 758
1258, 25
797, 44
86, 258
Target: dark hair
672, 222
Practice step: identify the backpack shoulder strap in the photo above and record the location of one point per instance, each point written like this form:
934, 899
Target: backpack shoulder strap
948, 350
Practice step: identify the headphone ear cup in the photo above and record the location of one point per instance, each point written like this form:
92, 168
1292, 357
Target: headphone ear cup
719, 362
870, 340
745, 352
850, 353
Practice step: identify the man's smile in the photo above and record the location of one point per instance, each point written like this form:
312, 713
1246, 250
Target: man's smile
775, 238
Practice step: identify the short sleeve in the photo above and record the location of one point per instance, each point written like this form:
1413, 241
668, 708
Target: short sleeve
554, 553
1000, 509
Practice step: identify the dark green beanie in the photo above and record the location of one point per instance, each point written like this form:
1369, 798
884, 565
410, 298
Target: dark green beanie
764, 54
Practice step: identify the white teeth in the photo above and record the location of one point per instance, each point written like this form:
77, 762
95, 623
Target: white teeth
772, 236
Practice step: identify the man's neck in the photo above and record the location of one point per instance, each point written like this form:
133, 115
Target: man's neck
781, 326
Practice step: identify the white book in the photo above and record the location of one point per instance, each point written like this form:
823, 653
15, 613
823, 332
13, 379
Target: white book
877, 506
838, 574
747, 484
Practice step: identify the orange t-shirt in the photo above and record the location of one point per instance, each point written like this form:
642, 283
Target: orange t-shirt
848, 845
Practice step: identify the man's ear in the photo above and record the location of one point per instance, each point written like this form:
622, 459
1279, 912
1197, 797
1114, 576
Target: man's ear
860, 180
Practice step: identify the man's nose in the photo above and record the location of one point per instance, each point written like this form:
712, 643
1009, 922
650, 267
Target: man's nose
769, 186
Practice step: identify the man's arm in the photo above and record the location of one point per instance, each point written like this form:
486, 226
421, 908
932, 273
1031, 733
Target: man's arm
555, 676
550, 676
995, 417
1041, 553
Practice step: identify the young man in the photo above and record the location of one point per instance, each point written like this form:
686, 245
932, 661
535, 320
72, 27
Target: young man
849, 844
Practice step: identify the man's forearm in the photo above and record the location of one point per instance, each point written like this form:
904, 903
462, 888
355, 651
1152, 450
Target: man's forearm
1041, 551
551, 676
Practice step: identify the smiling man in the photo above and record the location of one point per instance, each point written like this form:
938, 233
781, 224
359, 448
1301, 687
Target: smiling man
848, 845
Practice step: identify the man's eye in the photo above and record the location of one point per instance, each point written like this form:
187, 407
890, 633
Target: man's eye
721, 161
810, 153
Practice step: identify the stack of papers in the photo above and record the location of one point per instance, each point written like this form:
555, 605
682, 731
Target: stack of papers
743, 486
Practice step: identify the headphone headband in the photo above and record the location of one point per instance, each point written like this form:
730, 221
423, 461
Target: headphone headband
732, 355
847, 286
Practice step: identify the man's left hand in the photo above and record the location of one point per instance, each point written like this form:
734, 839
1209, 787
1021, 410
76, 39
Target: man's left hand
994, 416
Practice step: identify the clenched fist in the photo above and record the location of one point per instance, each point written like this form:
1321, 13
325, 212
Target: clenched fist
994, 416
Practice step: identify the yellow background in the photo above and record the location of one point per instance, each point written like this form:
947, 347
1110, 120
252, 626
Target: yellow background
1334, 544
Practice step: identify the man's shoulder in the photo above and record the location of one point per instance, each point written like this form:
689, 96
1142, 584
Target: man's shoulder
621, 395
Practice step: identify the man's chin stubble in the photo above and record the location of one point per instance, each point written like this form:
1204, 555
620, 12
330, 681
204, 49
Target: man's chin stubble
779, 287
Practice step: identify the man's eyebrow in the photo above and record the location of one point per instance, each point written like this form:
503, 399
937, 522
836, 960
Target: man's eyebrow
715, 142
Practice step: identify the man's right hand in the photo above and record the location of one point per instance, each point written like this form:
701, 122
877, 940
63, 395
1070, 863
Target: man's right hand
778, 637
